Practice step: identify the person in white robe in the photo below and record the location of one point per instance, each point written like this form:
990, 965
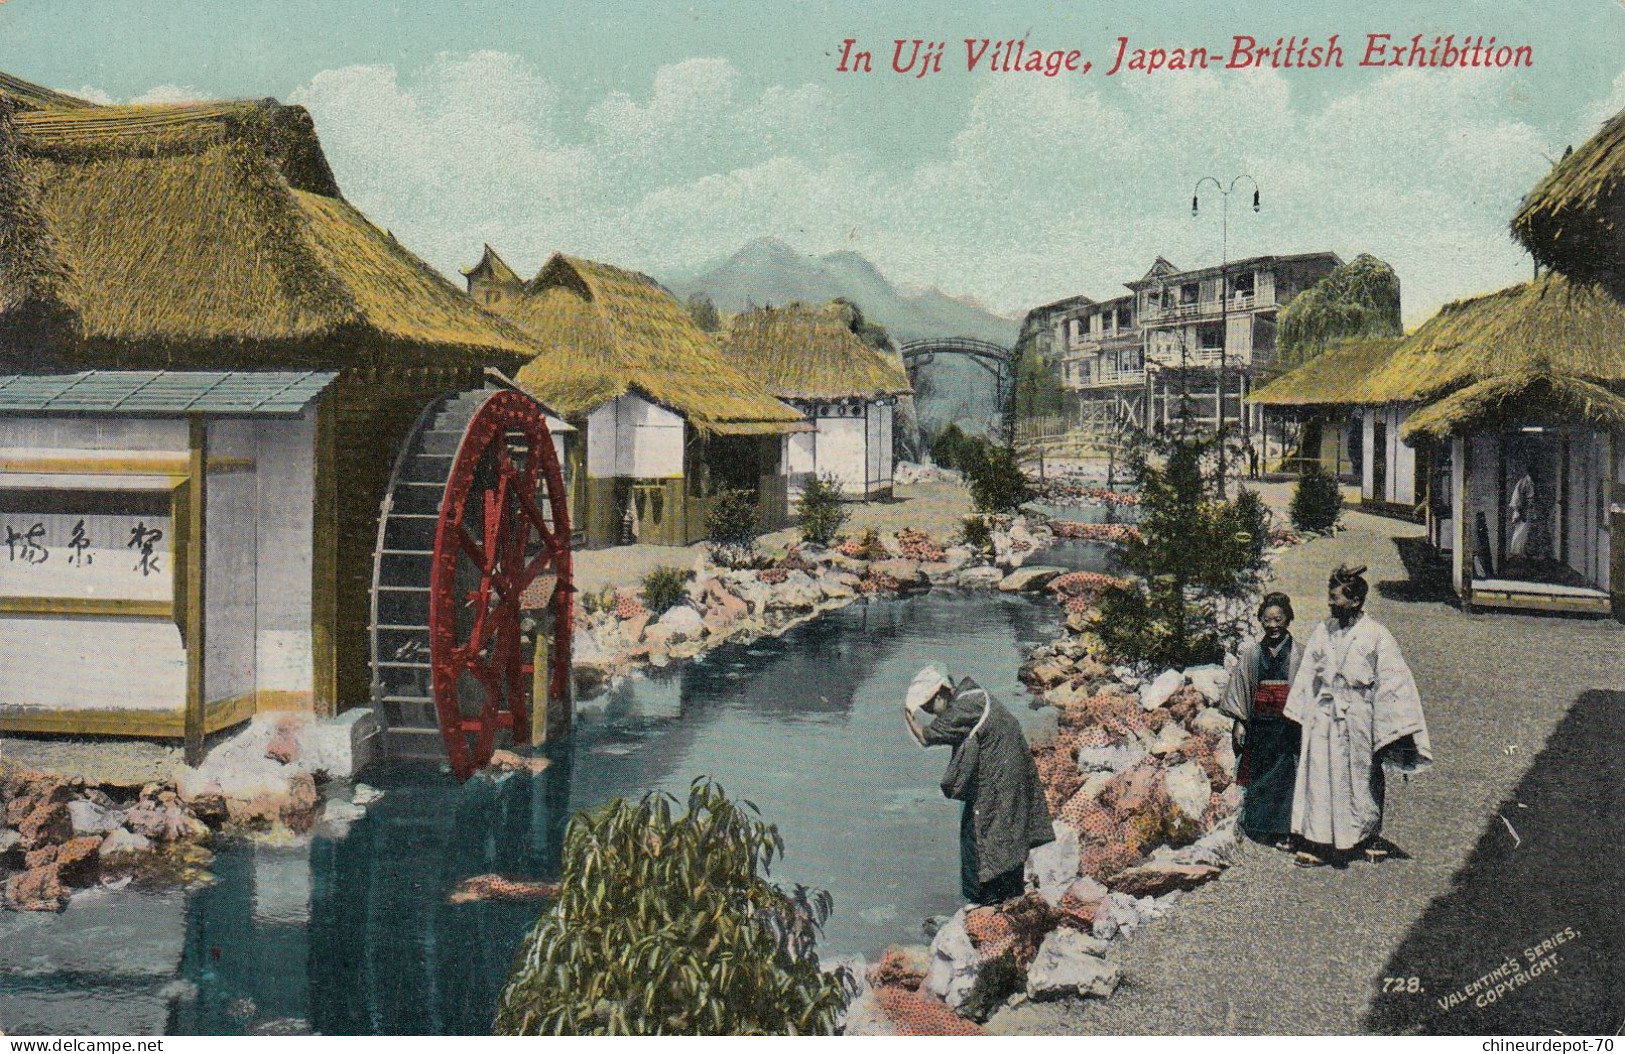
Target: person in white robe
1357, 704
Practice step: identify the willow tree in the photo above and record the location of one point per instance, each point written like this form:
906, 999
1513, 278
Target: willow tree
1358, 299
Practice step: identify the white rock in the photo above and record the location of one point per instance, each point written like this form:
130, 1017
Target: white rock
1053, 866
337, 810
954, 962
1119, 758
1189, 788
865, 1017
584, 649
1094, 783
1157, 692
90, 818
8, 838
1070, 964
122, 841
1126, 677
980, 576
339, 747
1225, 755
365, 795
1220, 847
1169, 739
1213, 720
682, 621
1211, 681
1030, 579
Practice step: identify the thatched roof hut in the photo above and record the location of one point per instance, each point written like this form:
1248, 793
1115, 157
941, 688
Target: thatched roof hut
1571, 219
207, 236
1339, 376
1550, 326
1518, 400
810, 354
604, 331
492, 268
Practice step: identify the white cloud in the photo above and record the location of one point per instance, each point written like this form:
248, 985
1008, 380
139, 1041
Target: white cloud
1049, 187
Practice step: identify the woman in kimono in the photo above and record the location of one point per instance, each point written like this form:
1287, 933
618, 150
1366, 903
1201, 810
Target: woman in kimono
1357, 704
1266, 742
992, 772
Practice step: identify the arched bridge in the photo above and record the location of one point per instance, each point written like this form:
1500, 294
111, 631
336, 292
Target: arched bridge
996, 359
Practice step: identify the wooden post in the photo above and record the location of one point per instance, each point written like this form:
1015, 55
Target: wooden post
196, 591
324, 569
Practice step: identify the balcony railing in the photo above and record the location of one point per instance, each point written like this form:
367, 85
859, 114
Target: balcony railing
1111, 377
1239, 301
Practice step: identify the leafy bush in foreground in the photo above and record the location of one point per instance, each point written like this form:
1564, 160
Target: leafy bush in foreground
666, 925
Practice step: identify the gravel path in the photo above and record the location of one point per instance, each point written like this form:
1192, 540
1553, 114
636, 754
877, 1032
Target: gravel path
1522, 709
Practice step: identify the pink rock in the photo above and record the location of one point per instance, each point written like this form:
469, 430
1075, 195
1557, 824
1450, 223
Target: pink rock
40, 889
284, 746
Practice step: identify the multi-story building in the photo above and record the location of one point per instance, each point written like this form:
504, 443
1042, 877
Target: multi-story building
1158, 353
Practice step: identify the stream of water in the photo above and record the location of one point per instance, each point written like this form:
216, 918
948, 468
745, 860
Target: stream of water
354, 935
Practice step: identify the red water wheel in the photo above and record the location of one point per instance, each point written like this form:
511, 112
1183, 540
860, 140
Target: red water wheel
501, 546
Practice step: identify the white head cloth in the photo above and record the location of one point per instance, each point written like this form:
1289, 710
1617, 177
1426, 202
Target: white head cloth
926, 684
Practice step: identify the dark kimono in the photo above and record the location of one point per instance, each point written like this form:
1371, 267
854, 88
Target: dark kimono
993, 773
1268, 765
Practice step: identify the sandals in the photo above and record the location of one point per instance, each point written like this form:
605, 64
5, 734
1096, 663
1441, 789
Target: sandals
1305, 859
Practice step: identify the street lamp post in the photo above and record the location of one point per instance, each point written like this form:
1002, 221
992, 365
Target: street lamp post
1224, 288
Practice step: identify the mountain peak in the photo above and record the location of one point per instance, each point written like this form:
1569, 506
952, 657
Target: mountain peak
768, 270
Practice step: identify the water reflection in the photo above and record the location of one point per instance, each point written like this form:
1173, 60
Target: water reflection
353, 935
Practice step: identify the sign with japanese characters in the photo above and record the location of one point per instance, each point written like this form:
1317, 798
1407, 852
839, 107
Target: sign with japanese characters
101, 555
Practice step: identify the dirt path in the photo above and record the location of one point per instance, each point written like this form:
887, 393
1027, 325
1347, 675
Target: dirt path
1527, 716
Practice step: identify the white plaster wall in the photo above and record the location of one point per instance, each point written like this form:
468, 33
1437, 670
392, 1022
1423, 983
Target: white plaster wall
801, 453
231, 532
1401, 459
843, 452
884, 413
87, 663
283, 543
91, 433
1368, 477
631, 436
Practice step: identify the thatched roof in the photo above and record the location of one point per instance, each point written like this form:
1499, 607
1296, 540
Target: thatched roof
209, 235
1570, 220
493, 267
27, 96
1340, 375
604, 331
1517, 400
1547, 326
801, 352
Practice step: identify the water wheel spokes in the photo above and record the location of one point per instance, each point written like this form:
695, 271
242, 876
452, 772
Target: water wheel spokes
493, 541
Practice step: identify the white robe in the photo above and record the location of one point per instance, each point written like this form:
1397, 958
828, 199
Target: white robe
1353, 695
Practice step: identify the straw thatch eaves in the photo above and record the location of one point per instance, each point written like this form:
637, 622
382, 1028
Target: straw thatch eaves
1339, 376
810, 354
208, 235
1552, 326
1517, 400
1571, 219
604, 331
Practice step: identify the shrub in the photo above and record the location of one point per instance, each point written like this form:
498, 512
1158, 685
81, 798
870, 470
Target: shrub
664, 588
997, 483
666, 925
1194, 559
866, 546
999, 978
977, 533
948, 449
822, 514
733, 519
1317, 501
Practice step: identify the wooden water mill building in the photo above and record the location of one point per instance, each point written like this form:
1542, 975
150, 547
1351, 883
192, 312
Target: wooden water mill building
667, 422
811, 358
254, 454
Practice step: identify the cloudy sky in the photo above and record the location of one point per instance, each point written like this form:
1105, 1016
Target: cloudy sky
663, 136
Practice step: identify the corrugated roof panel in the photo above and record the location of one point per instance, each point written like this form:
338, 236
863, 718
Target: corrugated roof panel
163, 392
